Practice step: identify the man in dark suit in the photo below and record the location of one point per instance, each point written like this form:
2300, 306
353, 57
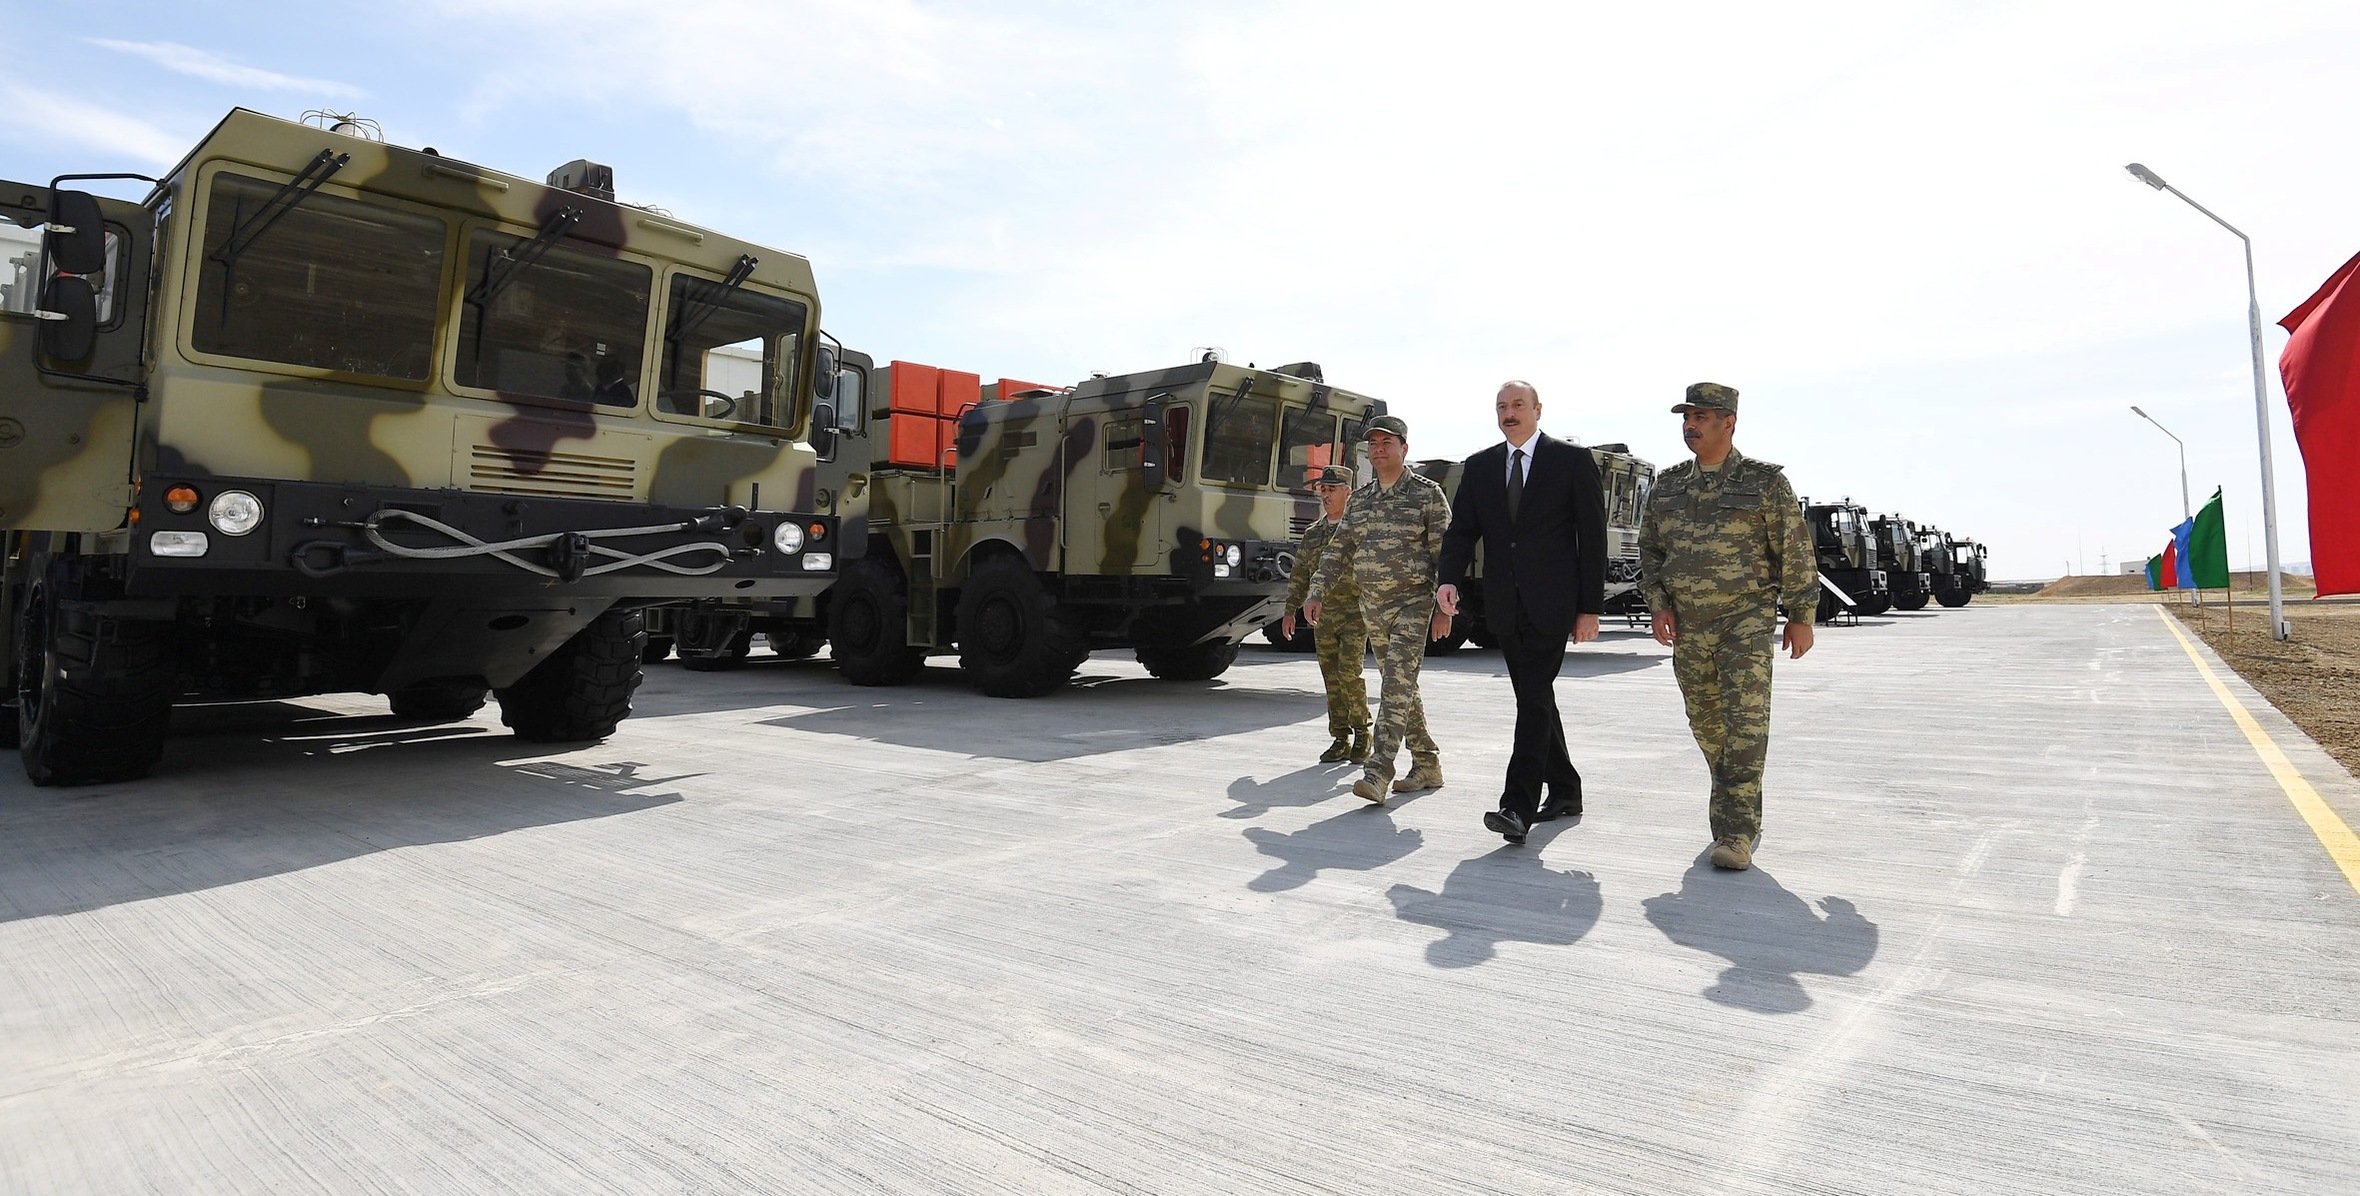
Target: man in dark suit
1535, 504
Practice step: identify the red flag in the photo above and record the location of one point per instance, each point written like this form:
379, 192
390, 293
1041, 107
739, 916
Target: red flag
2171, 564
2321, 369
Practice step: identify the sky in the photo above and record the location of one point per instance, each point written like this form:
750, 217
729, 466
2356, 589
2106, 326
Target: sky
1902, 230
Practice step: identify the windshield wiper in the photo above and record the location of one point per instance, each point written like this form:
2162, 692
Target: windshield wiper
281, 202
693, 314
503, 268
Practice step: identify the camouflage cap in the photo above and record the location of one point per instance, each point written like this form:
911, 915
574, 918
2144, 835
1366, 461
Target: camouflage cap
1392, 424
1332, 475
1709, 396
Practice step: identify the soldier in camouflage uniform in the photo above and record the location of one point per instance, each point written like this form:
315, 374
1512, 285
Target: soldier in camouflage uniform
1722, 540
1387, 543
1342, 635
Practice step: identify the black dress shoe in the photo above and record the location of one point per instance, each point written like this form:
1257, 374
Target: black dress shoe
1565, 801
1507, 824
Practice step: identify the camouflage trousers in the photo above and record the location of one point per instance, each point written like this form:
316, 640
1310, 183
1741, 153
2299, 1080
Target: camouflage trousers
1342, 640
1399, 637
1723, 665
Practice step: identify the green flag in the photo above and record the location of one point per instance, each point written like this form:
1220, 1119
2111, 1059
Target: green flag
2155, 573
2208, 548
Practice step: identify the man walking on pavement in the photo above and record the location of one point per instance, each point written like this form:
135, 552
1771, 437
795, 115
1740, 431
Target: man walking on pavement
1342, 635
1535, 505
1386, 544
1722, 541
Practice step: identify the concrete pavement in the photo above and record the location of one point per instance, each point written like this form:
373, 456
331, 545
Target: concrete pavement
2031, 916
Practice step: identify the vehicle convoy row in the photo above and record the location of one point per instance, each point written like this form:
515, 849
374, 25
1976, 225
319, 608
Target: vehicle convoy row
1868, 566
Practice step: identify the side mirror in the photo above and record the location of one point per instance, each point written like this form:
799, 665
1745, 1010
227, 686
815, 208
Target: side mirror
1152, 442
77, 237
823, 379
69, 318
823, 417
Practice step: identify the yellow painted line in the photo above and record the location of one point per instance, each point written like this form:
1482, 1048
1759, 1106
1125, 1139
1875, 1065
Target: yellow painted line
2342, 845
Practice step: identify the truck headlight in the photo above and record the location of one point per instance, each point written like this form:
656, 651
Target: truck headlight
178, 544
234, 512
1233, 556
819, 561
788, 537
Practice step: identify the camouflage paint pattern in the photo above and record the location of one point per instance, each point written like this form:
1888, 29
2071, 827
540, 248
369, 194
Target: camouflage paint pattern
1722, 662
1387, 545
1341, 639
211, 415
1726, 540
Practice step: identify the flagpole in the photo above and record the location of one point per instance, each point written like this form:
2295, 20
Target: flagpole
2261, 400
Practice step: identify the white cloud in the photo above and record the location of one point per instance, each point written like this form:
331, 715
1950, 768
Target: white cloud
202, 64
92, 132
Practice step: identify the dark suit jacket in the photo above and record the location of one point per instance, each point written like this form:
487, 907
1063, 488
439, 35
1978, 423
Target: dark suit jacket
1551, 563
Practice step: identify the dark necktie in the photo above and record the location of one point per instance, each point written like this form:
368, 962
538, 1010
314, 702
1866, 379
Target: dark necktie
1515, 481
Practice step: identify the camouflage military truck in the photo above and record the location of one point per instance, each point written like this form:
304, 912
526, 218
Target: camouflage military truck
1903, 560
1025, 526
1849, 576
1625, 479
323, 414
1956, 565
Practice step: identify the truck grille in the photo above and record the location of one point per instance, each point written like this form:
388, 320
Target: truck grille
573, 475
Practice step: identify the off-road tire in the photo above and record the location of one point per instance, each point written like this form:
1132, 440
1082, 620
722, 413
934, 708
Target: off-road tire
1011, 643
93, 694
868, 622
1303, 640
443, 700
1915, 601
658, 647
1954, 599
1876, 606
584, 689
1196, 662
800, 644
697, 637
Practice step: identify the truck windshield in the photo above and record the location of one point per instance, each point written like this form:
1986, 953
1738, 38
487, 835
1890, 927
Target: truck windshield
1239, 437
1306, 445
727, 352
339, 284
573, 326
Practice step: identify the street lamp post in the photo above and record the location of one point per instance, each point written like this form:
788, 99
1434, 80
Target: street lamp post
2261, 400
2185, 511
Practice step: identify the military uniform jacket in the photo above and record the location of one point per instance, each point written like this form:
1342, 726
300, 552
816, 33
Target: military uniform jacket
1719, 541
1308, 554
1387, 544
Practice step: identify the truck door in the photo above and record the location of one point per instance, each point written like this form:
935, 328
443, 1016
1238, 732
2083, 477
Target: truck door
73, 318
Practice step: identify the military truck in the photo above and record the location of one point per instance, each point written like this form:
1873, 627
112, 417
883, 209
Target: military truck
1023, 526
1850, 580
1903, 559
1625, 480
324, 414
1956, 564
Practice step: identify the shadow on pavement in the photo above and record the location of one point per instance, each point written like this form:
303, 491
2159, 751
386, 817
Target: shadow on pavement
1768, 935
1302, 787
1356, 840
1506, 896
262, 789
1094, 716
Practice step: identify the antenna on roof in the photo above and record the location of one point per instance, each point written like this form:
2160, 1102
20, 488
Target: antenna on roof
345, 123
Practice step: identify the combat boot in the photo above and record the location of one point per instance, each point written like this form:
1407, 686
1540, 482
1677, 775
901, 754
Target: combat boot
1361, 747
1425, 772
1340, 750
1734, 852
1371, 787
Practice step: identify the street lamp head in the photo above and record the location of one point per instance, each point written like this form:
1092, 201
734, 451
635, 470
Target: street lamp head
2144, 175
2135, 411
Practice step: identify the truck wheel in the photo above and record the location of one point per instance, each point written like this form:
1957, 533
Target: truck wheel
1303, 640
1954, 598
658, 647
93, 695
1828, 607
799, 644
443, 700
1914, 601
584, 688
868, 620
1876, 606
1010, 641
1196, 662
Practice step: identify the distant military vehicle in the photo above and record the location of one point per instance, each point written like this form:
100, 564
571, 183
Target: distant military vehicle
324, 414
1957, 566
1903, 559
1024, 526
1849, 577
1625, 479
